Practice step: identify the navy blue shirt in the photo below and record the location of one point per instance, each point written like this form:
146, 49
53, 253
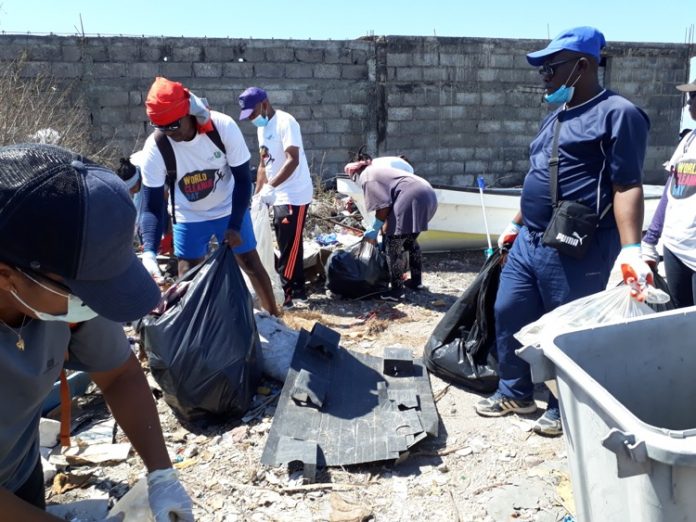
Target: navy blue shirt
602, 143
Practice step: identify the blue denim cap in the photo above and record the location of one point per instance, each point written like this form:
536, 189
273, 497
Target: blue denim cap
585, 40
248, 100
64, 215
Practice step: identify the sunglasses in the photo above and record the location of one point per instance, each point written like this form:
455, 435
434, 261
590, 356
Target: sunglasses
168, 128
549, 69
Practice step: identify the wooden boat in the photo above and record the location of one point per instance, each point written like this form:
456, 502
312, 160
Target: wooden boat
459, 224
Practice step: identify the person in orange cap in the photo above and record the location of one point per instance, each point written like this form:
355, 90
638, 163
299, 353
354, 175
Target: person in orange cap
201, 156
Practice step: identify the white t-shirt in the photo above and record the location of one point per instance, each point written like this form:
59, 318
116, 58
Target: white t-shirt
204, 181
394, 162
282, 132
679, 231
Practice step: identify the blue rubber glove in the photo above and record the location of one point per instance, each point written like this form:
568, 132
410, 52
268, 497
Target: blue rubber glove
376, 227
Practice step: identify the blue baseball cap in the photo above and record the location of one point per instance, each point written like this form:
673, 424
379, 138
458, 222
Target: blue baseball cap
62, 214
585, 40
248, 100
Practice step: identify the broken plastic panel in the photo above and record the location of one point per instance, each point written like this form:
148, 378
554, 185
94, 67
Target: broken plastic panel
339, 407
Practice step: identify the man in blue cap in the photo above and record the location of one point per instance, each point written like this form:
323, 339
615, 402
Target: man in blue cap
68, 277
600, 145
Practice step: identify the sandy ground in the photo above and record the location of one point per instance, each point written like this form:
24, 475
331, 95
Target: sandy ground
478, 469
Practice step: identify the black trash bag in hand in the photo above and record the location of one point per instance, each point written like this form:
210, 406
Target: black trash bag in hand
203, 347
462, 346
360, 271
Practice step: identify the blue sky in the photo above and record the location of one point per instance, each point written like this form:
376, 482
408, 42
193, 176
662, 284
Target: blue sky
620, 20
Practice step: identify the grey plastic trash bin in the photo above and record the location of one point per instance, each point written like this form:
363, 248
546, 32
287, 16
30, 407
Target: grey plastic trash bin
628, 404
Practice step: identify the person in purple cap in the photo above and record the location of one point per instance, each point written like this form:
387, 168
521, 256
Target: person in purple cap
68, 277
600, 140
283, 182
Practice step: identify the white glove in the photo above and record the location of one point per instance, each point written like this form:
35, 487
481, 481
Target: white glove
649, 253
168, 498
508, 236
636, 272
267, 194
149, 260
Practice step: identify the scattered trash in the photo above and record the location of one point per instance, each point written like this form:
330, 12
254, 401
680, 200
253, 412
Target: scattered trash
343, 510
100, 433
277, 345
97, 453
49, 431
63, 482
134, 506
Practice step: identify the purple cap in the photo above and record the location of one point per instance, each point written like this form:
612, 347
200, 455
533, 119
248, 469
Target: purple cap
62, 214
248, 100
585, 40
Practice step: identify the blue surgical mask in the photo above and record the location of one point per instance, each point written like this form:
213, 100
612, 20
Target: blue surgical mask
561, 95
565, 92
260, 121
77, 312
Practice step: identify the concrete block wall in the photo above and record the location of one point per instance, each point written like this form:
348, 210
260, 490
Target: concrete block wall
457, 107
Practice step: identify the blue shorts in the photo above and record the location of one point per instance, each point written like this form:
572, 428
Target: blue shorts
191, 239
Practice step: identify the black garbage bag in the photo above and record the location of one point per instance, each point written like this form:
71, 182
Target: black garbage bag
360, 271
202, 342
461, 347
661, 284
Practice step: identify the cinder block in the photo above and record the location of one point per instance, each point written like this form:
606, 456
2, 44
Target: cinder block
144, 70
326, 71
207, 70
71, 53
426, 59
269, 70
337, 126
187, 53
360, 57
399, 59
309, 55
176, 69
135, 98
435, 74
340, 55
66, 70
299, 70
124, 53
34, 69
113, 98
109, 70
350, 110
411, 74
237, 70
400, 113
354, 72
280, 54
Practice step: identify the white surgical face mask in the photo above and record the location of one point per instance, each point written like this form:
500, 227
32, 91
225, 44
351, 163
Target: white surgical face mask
77, 312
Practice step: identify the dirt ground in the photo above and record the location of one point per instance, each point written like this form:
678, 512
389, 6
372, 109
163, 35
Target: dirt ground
482, 470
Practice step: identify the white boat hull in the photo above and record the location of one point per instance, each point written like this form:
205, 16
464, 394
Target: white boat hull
459, 222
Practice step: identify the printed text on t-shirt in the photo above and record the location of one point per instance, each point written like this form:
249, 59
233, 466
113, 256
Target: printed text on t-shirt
199, 184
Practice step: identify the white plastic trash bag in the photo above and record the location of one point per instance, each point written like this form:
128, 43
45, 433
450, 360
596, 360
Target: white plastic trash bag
603, 307
277, 345
264, 246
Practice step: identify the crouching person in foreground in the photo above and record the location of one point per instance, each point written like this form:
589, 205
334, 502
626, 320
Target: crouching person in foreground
68, 276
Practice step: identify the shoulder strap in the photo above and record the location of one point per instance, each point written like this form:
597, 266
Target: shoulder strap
214, 136
553, 163
167, 152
